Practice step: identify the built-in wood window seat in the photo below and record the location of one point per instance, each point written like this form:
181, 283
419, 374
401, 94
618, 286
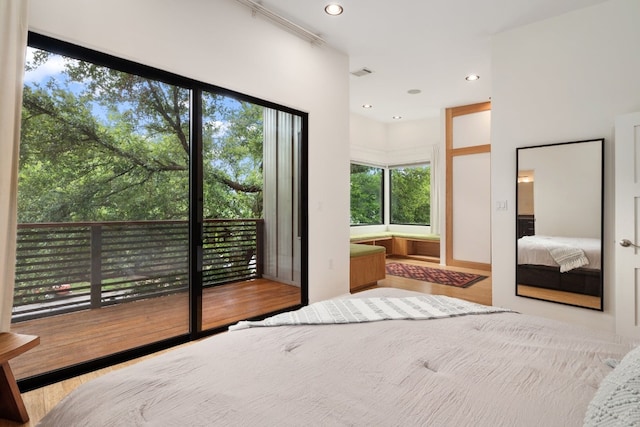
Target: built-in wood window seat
368, 253
366, 266
425, 247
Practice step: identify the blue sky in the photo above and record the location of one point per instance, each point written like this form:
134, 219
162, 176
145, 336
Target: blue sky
54, 66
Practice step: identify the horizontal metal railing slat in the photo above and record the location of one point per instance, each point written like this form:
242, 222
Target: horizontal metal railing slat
136, 259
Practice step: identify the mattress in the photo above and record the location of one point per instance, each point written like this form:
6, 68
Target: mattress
499, 369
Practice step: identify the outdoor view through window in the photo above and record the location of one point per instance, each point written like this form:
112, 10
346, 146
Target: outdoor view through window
410, 188
408, 194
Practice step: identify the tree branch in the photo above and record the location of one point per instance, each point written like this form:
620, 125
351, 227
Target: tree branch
243, 188
90, 135
159, 104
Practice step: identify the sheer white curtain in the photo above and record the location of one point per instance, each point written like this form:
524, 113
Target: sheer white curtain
435, 189
13, 45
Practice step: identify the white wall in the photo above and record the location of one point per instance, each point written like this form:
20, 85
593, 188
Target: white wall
471, 216
411, 141
219, 42
563, 79
473, 129
398, 143
367, 140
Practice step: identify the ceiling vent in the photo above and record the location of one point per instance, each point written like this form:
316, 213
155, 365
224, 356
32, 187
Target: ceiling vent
362, 72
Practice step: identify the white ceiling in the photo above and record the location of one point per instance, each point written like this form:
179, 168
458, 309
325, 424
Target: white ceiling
429, 45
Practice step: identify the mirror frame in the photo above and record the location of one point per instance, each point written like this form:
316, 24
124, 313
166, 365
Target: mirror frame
602, 182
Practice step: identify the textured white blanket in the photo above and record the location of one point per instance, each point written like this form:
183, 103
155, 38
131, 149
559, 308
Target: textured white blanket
358, 310
568, 257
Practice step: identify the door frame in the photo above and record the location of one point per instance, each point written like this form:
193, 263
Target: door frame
627, 263
450, 153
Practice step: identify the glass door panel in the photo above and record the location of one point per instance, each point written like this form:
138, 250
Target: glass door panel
251, 258
102, 211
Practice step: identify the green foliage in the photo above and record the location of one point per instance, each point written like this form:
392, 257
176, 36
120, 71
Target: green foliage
102, 145
411, 195
366, 194
233, 156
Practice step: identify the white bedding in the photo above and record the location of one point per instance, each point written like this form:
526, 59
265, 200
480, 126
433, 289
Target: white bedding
537, 250
358, 310
502, 369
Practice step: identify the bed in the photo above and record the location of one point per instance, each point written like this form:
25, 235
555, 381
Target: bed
560, 263
489, 369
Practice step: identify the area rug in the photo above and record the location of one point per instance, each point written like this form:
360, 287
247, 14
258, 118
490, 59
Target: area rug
433, 275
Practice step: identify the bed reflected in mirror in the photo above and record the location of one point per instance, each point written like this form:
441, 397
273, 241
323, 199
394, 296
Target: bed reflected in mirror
559, 223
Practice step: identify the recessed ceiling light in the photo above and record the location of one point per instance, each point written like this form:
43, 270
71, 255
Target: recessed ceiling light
414, 91
472, 77
333, 9
396, 117
367, 106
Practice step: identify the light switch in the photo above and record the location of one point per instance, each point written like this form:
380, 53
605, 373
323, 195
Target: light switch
501, 205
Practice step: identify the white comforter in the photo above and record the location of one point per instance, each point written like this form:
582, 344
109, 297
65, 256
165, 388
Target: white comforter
503, 369
536, 250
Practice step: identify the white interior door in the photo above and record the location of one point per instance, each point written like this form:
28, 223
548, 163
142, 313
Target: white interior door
627, 225
471, 216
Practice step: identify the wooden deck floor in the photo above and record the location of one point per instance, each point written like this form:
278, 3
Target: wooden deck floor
73, 338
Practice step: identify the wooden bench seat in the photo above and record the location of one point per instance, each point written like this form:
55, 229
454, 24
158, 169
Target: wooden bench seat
383, 240
424, 247
367, 265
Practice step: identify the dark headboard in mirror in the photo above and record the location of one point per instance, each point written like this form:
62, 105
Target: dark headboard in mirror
559, 221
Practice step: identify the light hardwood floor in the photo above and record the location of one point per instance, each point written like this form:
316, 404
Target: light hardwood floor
570, 298
40, 401
479, 292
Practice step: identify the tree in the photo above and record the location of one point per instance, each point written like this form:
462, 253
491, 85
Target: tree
410, 195
366, 194
233, 158
101, 144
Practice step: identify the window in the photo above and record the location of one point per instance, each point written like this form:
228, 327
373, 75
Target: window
410, 188
366, 195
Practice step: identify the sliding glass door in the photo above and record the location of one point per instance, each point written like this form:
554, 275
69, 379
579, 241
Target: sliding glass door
152, 209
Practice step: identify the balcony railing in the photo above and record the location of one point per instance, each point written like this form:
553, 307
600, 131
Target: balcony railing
65, 267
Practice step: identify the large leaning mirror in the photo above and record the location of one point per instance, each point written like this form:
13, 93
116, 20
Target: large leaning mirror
559, 222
